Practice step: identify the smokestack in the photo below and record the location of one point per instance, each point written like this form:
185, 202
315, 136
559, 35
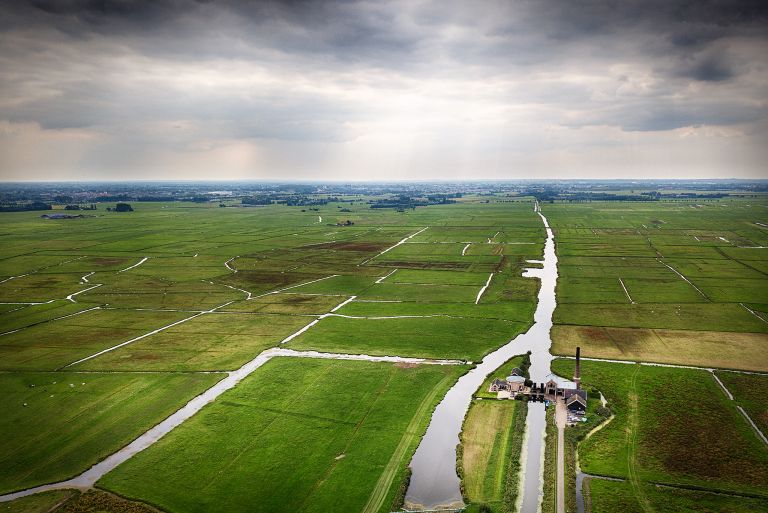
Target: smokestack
577, 372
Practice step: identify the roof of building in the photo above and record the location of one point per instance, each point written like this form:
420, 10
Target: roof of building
517, 371
569, 392
575, 398
515, 379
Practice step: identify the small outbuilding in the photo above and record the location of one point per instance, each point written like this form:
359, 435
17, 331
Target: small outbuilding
576, 404
498, 385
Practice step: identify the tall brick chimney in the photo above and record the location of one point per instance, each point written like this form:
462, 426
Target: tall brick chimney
577, 372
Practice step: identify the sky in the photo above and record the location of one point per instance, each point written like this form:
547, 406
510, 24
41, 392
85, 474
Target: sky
383, 90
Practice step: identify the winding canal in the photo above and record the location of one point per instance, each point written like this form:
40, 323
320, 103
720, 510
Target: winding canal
434, 482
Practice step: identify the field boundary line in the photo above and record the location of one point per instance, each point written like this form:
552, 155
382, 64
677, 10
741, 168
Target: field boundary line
754, 426
748, 309
722, 385
294, 286
51, 320
226, 264
386, 276
482, 290
626, 291
134, 265
403, 241
743, 412
71, 297
684, 278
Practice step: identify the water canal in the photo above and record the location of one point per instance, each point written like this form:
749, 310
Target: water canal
434, 482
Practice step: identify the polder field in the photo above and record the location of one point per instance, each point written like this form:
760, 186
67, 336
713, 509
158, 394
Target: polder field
108, 324
671, 282
675, 441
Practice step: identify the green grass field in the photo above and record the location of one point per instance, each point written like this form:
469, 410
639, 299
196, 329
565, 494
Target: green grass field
610, 496
487, 441
62, 423
663, 266
670, 428
73, 288
299, 435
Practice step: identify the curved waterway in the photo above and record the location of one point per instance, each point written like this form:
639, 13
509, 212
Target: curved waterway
434, 482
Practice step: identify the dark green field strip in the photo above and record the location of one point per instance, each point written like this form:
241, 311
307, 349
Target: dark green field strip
678, 439
298, 435
683, 316
749, 391
62, 423
610, 496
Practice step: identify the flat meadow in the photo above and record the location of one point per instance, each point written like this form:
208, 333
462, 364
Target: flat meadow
148, 307
674, 282
669, 430
299, 435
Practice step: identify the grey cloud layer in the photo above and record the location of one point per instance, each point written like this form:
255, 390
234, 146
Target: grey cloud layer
330, 71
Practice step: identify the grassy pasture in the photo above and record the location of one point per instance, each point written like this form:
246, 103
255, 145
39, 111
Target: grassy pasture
22, 316
668, 429
62, 423
607, 247
718, 317
45, 502
519, 311
433, 337
287, 303
52, 345
487, 439
610, 496
750, 392
221, 341
723, 350
299, 435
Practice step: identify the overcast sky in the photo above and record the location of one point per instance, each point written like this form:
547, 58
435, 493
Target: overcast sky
383, 90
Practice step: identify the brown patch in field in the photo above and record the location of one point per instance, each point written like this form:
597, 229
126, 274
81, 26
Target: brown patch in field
429, 265
503, 263
406, 365
627, 341
361, 246
92, 501
296, 299
497, 250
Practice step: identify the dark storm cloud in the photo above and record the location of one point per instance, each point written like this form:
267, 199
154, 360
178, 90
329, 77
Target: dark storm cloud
329, 70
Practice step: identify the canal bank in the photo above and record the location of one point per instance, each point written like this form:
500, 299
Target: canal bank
434, 482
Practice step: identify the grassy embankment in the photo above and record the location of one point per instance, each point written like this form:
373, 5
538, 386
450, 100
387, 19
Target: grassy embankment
491, 441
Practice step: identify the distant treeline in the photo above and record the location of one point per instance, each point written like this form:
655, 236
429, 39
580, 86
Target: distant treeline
92, 206
404, 202
25, 207
292, 200
570, 196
